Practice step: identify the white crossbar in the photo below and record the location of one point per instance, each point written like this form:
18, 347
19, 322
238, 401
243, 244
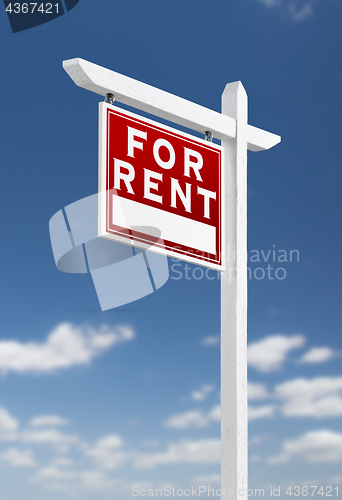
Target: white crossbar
163, 104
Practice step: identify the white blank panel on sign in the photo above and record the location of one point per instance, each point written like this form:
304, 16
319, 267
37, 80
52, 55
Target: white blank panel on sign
128, 213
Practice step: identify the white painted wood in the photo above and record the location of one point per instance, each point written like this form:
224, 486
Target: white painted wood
259, 140
234, 421
160, 103
147, 98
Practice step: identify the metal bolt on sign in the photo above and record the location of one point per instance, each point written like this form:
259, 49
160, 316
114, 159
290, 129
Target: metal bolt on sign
109, 99
208, 136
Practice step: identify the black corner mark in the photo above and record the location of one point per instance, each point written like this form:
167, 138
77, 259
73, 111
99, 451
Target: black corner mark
24, 15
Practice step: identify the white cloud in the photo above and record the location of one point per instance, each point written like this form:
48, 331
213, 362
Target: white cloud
256, 440
211, 340
206, 451
212, 478
334, 480
55, 478
62, 462
301, 387
318, 397
270, 3
7, 422
269, 354
320, 408
322, 446
202, 393
298, 14
52, 437
318, 355
96, 480
108, 453
297, 10
48, 421
194, 418
61, 442
215, 414
257, 391
67, 345
18, 458
55, 473
255, 413
197, 418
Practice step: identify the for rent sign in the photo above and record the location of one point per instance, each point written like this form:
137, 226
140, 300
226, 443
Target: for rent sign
155, 177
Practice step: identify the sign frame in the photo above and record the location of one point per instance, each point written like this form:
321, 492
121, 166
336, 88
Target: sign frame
134, 238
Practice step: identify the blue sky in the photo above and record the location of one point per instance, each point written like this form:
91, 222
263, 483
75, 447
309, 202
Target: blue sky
93, 403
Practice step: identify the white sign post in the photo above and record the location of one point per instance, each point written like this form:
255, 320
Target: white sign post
236, 137
234, 409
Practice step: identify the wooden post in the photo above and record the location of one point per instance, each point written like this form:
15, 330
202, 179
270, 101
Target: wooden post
234, 418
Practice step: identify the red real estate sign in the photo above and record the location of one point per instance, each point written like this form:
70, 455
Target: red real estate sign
153, 177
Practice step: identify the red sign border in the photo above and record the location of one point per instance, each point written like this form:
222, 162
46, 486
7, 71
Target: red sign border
142, 240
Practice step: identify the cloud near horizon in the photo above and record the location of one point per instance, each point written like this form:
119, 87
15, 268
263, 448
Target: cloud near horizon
8, 423
48, 421
319, 397
198, 418
202, 393
318, 355
66, 346
205, 451
269, 354
322, 446
17, 458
